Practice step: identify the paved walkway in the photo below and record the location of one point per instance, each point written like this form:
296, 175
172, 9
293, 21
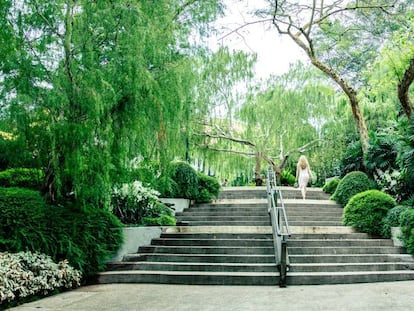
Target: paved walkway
124, 297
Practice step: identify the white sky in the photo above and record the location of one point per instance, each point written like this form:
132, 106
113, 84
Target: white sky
274, 53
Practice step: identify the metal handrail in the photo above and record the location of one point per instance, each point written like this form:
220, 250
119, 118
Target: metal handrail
280, 226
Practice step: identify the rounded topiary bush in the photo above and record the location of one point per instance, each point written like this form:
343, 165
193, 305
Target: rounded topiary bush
353, 183
208, 188
184, 180
392, 220
331, 186
367, 210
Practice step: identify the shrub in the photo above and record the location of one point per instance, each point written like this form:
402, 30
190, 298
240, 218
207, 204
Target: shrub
135, 204
87, 237
351, 184
366, 211
392, 220
287, 178
208, 188
407, 229
22, 177
183, 181
25, 274
331, 186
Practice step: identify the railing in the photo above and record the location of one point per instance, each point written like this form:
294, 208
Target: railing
280, 226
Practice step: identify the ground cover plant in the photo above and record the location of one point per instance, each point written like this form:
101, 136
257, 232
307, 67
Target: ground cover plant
25, 275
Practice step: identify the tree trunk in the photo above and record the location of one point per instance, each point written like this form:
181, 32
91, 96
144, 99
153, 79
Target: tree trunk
353, 100
403, 89
257, 174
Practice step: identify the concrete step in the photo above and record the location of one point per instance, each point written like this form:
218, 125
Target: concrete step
230, 242
223, 218
347, 267
340, 242
345, 258
202, 250
230, 223
213, 242
317, 278
189, 277
345, 250
201, 258
193, 266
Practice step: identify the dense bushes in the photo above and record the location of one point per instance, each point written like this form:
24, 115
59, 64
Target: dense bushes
135, 204
392, 220
351, 184
86, 237
287, 178
407, 229
331, 186
208, 188
22, 177
366, 211
184, 180
27, 274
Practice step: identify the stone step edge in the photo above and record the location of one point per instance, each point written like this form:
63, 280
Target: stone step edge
258, 229
190, 273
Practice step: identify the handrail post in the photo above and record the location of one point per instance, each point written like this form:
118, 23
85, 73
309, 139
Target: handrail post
283, 264
280, 226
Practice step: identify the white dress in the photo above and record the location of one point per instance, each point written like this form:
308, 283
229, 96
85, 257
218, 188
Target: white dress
303, 177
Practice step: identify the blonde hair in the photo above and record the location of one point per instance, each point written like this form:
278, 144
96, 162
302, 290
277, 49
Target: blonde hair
303, 162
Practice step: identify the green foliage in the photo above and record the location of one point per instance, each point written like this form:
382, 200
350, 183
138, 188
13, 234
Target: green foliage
351, 184
407, 229
287, 178
22, 177
352, 159
331, 186
183, 181
392, 220
367, 210
406, 158
208, 188
86, 237
26, 274
135, 204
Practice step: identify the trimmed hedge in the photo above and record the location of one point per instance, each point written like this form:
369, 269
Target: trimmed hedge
208, 188
366, 211
181, 181
331, 186
22, 177
86, 237
350, 185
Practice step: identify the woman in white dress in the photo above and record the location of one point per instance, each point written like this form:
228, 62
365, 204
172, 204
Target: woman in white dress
303, 174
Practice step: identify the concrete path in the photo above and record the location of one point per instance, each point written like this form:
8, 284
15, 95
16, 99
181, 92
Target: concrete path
124, 297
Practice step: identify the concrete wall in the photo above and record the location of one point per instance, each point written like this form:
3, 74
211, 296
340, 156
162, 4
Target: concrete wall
134, 237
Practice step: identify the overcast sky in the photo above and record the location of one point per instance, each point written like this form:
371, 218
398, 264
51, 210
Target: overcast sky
274, 53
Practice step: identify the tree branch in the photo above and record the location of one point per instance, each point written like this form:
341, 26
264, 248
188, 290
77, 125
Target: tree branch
403, 89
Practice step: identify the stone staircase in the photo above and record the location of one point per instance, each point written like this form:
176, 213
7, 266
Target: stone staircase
229, 242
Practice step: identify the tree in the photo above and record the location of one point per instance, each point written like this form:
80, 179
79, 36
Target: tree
103, 81
340, 29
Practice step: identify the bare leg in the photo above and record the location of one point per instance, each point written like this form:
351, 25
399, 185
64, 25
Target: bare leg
303, 191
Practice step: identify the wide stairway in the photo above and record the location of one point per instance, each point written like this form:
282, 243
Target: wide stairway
229, 242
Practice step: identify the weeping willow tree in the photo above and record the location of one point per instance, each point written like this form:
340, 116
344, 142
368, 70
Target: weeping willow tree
286, 118
99, 83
